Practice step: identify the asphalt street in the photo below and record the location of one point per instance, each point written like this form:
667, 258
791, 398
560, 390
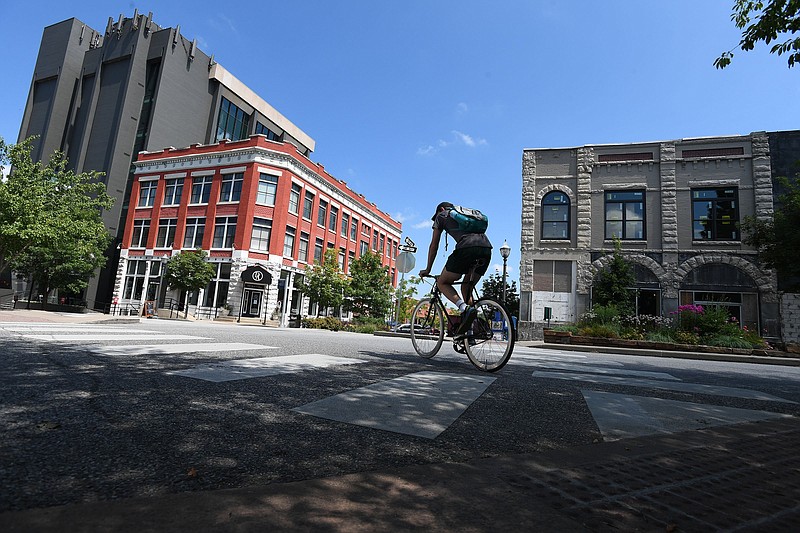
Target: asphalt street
155, 408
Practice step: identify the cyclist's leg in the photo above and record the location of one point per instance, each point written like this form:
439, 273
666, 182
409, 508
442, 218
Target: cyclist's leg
445, 283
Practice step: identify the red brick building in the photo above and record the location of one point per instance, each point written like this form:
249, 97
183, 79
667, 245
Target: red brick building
253, 202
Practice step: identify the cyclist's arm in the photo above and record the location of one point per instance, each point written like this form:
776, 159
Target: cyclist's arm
432, 249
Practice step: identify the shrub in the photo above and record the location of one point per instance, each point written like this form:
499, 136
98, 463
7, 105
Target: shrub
327, 322
659, 336
727, 341
606, 331
686, 337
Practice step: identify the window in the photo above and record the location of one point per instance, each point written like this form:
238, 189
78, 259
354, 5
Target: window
166, 232
555, 216
322, 213
232, 122
552, 276
231, 190
383, 243
294, 198
351, 256
259, 239
267, 185
173, 191
375, 240
195, 229
224, 232
334, 215
288, 242
134, 280
263, 130
147, 193
302, 252
715, 214
341, 259
308, 205
345, 224
364, 248
141, 230
201, 189
625, 215
365, 230
354, 229
216, 294
318, 251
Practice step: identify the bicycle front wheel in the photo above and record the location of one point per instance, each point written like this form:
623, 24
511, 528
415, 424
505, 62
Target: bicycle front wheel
427, 328
492, 341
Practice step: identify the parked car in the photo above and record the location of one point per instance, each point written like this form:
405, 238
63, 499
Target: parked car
406, 328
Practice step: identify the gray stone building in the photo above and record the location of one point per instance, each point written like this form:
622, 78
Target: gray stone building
674, 205
101, 97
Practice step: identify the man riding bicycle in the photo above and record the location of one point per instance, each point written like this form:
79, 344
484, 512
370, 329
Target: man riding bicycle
471, 257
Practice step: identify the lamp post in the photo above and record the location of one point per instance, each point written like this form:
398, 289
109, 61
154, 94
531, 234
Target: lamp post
505, 251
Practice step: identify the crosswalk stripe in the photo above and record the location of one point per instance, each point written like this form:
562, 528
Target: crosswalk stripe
262, 367
620, 416
39, 329
594, 369
163, 349
423, 404
88, 337
713, 390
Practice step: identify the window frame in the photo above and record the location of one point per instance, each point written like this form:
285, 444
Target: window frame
167, 229
565, 224
173, 191
203, 185
714, 216
231, 187
224, 232
140, 234
264, 225
269, 190
147, 193
624, 221
193, 224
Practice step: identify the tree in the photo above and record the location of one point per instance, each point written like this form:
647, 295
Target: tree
369, 290
493, 288
767, 23
778, 239
324, 283
612, 284
189, 271
406, 289
50, 220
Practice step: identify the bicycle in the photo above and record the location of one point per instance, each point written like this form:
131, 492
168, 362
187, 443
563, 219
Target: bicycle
489, 342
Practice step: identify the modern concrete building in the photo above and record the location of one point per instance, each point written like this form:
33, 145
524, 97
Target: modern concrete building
261, 209
101, 97
674, 205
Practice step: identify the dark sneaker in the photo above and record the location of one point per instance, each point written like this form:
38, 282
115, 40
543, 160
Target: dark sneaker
466, 320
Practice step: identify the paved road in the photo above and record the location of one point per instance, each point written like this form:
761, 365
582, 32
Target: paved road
97, 412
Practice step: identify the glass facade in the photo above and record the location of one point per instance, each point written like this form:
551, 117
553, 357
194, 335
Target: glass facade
232, 122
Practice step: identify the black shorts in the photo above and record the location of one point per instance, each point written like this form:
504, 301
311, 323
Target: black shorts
462, 260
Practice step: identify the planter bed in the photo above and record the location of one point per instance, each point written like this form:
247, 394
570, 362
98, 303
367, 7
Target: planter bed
565, 337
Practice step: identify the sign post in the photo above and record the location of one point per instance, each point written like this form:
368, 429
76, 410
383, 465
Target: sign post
405, 263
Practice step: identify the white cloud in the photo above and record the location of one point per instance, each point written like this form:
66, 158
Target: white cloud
461, 108
459, 138
425, 224
498, 267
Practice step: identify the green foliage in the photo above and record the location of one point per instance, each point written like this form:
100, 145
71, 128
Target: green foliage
369, 290
493, 288
612, 285
189, 270
686, 337
607, 331
777, 239
50, 220
766, 22
727, 341
659, 336
327, 322
406, 289
324, 283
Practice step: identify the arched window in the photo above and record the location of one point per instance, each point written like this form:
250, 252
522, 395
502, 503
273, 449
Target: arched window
555, 216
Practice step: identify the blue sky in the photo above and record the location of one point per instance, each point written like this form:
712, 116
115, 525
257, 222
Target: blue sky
416, 102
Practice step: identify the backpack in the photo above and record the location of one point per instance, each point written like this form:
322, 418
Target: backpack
469, 220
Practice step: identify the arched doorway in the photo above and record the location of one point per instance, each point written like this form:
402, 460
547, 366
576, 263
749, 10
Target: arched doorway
726, 286
255, 289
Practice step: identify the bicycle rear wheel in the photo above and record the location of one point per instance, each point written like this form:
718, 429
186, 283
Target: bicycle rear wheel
492, 341
427, 327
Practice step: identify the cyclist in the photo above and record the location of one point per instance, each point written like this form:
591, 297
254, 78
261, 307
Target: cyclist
471, 256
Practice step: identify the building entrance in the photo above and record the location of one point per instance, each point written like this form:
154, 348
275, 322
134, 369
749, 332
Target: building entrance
252, 302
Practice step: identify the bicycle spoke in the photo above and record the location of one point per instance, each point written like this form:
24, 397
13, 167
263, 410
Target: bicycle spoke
492, 338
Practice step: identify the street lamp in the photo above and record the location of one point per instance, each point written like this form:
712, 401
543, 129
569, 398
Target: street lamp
505, 251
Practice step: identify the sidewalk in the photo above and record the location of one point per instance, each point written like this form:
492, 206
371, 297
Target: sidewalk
736, 477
